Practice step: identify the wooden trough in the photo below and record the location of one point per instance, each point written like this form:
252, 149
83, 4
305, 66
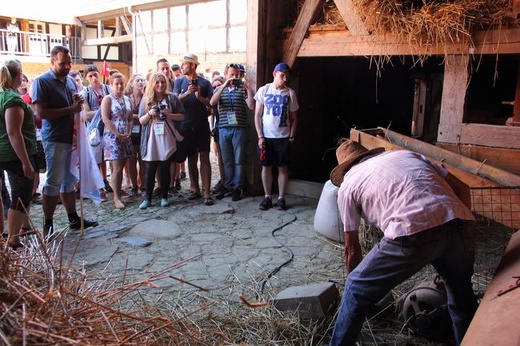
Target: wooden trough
495, 192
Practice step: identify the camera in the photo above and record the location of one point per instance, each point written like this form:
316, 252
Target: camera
159, 108
194, 81
237, 81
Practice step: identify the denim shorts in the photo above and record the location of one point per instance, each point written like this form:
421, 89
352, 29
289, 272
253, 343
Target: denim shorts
21, 186
59, 177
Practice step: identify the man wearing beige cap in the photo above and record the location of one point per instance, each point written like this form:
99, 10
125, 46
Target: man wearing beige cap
195, 93
424, 213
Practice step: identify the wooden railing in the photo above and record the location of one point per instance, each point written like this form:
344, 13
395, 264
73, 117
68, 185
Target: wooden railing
25, 43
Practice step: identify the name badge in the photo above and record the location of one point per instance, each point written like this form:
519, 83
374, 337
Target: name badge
136, 129
158, 127
232, 118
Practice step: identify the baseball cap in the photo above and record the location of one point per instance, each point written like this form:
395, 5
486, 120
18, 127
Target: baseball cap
191, 58
282, 67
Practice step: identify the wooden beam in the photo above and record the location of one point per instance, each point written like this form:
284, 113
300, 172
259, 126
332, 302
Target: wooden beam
107, 40
342, 43
307, 13
476, 168
351, 17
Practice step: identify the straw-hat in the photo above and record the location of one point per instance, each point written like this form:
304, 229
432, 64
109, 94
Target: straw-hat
348, 154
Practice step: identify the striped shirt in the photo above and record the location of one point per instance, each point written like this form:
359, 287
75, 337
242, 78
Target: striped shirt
399, 191
232, 108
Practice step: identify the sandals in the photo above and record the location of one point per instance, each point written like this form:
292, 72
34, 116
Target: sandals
194, 195
209, 201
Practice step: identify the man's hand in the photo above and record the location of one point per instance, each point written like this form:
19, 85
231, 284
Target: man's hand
353, 253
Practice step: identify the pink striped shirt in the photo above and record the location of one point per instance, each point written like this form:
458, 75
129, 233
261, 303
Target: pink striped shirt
399, 191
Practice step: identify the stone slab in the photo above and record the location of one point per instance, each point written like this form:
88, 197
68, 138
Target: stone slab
310, 301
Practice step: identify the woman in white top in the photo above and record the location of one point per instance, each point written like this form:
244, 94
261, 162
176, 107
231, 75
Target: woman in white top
159, 111
116, 113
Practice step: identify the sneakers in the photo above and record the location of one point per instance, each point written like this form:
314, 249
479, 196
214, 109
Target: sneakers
280, 204
164, 202
76, 224
266, 203
183, 175
145, 204
133, 192
223, 192
237, 195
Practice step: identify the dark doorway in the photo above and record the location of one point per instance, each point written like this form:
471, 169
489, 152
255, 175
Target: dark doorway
336, 94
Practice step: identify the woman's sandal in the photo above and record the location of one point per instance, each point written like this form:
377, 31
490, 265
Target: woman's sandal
209, 201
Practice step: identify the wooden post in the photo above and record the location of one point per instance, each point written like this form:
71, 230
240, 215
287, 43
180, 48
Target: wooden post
453, 97
516, 107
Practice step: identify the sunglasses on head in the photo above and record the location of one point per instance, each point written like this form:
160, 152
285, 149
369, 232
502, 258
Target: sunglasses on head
233, 66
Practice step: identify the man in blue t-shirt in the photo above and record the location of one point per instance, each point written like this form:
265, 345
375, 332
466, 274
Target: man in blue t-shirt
195, 93
56, 100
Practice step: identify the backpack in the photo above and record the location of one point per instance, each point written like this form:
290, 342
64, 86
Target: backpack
94, 129
99, 124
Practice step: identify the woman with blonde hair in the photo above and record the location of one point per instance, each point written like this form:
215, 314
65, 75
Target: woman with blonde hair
116, 113
135, 92
18, 147
159, 111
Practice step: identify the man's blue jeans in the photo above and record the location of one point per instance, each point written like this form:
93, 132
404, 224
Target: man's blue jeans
232, 141
450, 248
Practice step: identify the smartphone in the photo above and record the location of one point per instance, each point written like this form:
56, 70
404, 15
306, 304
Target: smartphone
237, 81
195, 81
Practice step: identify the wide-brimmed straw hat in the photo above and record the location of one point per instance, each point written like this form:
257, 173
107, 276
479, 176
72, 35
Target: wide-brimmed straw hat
348, 154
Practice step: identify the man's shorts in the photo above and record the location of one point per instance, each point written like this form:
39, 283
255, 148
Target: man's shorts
196, 140
276, 152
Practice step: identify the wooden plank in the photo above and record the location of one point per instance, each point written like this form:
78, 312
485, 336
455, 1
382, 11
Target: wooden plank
503, 158
107, 40
351, 17
307, 14
482, 134
496, 320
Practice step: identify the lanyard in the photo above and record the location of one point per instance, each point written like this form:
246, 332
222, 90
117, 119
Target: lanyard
231, 97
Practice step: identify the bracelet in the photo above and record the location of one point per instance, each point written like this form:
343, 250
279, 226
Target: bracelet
260, 137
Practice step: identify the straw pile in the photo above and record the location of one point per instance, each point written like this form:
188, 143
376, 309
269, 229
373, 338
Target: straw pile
46, 302
433, 23
423, 23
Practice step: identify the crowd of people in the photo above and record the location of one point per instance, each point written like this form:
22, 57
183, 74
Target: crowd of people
149, 127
